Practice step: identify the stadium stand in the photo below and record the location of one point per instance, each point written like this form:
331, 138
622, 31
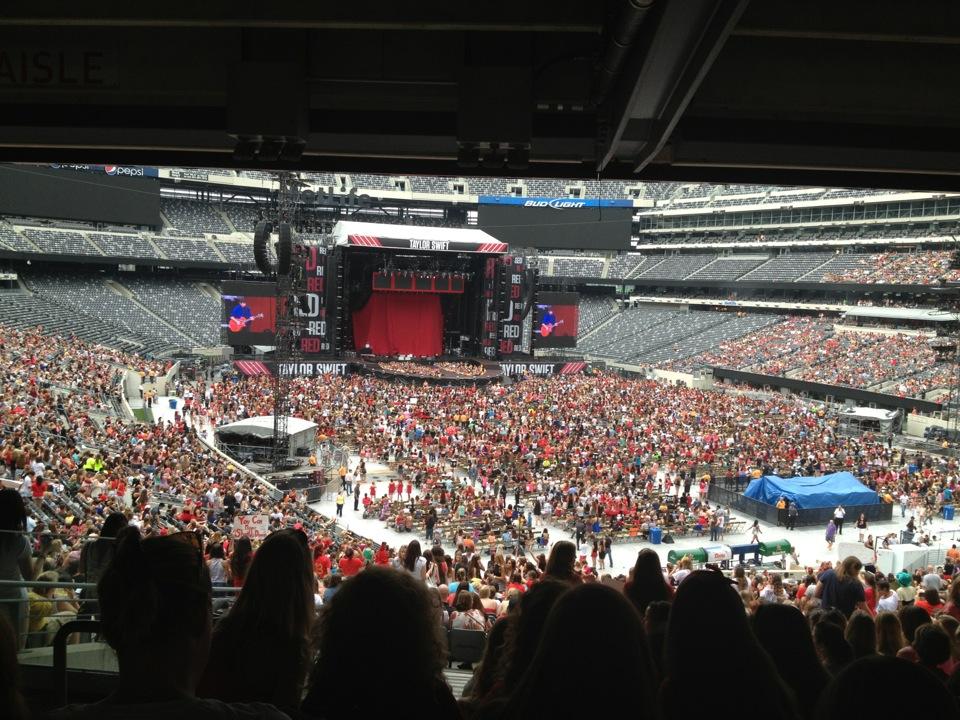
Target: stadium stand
242, 217
788, 268
924, 268
186, 249
594, 311
60, 242
192, 216
624, 265
683, 337
93, 296
125, 246
727, 268
236, 252
15, 241
25, 311
182, 304
578, 267
674, 267
837, 265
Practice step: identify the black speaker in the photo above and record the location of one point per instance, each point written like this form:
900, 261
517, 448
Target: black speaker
261, 252
667, 539
284, 249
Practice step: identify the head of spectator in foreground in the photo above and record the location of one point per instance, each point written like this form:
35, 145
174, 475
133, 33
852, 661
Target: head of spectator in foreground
911, 618
844, 697
783, 632
561, 560
648, 584
566, 637
261, 648
707, 605
112, 526
861, 634
526, 627
890, 638
13, 516
155, 611
349, 641
11, 698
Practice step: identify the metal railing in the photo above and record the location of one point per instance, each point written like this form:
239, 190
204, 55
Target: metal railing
79, 595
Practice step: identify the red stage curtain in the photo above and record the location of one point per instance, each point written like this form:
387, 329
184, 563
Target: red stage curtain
399, 323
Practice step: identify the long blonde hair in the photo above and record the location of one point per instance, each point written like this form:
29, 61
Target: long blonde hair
890, 637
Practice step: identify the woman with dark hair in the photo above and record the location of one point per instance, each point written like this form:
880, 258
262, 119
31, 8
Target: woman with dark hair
15, 561
155, 613
655, 621
647, 584
783, 633
240, 560
834, 651
526, 629
566, 639
488, 672
260, 649
844, 697
349, 640
217, 565
911, 618
707, 606
414, 562
861, 634
933, 647
97, 554
560, 564
11, 699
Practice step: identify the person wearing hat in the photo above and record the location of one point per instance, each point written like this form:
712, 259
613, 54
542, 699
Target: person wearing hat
906, 592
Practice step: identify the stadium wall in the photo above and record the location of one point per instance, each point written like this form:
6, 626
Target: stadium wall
862, 397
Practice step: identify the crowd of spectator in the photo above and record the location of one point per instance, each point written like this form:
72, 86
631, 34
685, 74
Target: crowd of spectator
594, 453
810, 349
924, 267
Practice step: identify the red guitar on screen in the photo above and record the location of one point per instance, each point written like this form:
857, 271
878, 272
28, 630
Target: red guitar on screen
547, 328
237, 324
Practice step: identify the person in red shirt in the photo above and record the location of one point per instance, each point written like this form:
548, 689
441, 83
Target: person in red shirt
382, 556
350, 564
409, 490
391, 489
321, 562
39, 488
931, 602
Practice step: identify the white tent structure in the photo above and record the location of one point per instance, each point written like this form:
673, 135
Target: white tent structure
258, 430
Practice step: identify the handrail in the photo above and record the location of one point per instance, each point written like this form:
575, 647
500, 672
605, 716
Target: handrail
60, 652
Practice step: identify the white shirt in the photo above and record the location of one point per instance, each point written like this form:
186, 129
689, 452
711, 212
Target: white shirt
839, 513
888, 604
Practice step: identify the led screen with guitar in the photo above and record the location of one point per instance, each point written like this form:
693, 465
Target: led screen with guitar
556, 320
241, 319
249, 313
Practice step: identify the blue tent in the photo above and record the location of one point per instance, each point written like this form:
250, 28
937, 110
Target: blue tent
840, 488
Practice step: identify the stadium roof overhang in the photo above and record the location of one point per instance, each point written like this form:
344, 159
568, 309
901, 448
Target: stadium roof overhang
820, 92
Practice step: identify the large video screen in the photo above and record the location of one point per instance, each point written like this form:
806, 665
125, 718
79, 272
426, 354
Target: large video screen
33, 191
577, 228
249, 313
556, 320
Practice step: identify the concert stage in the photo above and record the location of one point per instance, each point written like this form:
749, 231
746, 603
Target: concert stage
444, 370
